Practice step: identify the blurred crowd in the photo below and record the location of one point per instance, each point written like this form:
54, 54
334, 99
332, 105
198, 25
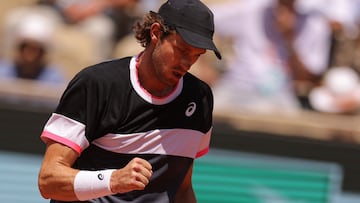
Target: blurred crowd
279, 56
289, 55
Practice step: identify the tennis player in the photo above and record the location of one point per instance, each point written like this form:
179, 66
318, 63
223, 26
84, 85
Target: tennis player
129, 129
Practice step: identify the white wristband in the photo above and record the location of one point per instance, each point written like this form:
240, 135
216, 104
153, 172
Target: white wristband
92, 184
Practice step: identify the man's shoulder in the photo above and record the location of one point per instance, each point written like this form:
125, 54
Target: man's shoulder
107, 69
193, 79
104, 75
194, 83
121, 63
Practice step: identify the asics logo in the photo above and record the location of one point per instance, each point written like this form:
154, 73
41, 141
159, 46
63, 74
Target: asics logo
190, 109
101, 176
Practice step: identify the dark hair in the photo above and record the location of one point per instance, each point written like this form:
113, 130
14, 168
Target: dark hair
142, 28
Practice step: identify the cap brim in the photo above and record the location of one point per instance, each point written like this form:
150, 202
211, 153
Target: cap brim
198, 41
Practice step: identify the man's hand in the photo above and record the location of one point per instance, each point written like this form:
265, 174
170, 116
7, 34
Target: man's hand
134, 176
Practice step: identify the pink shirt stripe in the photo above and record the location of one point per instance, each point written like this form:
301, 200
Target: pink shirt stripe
47, 135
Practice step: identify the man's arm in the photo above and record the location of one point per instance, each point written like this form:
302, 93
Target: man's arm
186, 192
56, 176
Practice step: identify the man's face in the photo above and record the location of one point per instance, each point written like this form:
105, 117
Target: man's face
30, 58
173, 57
30, 52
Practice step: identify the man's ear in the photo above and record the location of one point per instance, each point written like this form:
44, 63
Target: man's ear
155, 32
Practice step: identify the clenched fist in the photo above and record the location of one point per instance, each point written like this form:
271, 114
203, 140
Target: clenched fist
134, 176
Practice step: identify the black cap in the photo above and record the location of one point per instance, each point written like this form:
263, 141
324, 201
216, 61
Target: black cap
193, 20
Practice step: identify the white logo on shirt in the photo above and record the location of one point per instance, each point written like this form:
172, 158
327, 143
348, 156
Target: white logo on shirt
190, 109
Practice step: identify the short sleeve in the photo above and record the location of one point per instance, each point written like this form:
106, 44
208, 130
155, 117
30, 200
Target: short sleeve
83, 101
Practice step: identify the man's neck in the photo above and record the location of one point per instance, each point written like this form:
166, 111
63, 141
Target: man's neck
147, 78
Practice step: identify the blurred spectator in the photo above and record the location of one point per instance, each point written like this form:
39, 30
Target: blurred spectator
343, 17
105, 21
354, 53
31, 44
339, 92
279, 55
341, 14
